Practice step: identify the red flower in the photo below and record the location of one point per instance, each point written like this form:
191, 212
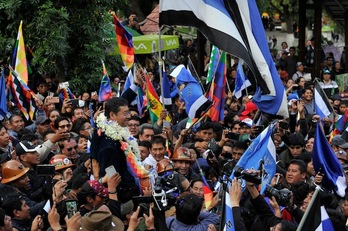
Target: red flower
124, 146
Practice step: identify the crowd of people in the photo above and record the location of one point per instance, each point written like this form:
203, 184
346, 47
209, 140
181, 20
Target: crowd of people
70, 167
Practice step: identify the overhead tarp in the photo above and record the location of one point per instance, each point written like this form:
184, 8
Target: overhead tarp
147, 44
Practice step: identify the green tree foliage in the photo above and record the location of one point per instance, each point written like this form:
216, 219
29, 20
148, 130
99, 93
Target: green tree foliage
65, 37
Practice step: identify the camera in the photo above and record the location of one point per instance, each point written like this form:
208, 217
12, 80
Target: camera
250, 177
282, 195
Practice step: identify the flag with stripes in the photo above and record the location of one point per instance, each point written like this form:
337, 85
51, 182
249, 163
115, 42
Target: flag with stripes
235, 27
217, 92
21, 95
105, 86
241, 81
166, 90
323, 108
125, 44
19, 56
213, 62
66, 93
326, 162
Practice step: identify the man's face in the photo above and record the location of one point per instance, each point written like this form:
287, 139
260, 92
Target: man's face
133, 126
205, 135
122, 116
308, 95
236, 128
22, 182
79, 113
295, 150
144, 152
182, 166
30, 159
244, 129
17, 123
237, 153
300, 68
70, 148
4, 138
147, 135
293, 175
42, 88
158, 151
41, 128
197, 188
24, 213
64, 126
345, 208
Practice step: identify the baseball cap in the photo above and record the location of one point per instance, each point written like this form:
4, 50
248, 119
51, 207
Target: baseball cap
340, 142
249, 122
93, 186
249, 107
326, 71
42, 120
25, 147
299, 64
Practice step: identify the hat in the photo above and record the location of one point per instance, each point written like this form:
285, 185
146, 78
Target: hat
342, 155
127, 207
102, 221
249, 122
336, 97
340, 142
326, 71
42, 120
60, 162
93, 186
299, 64
283, 74
25, 147
249, 107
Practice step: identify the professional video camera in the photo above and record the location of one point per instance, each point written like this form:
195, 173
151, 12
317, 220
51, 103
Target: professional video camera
282, 195
250, 177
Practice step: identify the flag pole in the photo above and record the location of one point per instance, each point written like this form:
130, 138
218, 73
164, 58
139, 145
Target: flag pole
160, 65
199, 78
305, 215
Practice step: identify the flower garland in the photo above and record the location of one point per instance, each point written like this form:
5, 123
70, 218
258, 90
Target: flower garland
114, 131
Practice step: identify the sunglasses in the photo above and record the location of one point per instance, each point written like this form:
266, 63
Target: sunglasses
70, 149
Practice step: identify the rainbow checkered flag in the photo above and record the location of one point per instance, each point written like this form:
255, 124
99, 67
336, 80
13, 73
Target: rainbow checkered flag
135, 167
125, 44
66, 93
21, 95
19, 57
105, 86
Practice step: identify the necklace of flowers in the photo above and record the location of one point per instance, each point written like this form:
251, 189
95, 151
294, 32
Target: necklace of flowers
114, 131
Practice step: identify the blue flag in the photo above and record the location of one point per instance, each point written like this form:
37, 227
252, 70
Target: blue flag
191, 92
323, 107
3, 106
241, 81
326, 162
166, 90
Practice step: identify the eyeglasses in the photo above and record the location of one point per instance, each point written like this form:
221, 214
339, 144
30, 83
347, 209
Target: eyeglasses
133, 125
64, 126
70, 149
126, 113
295, 147
88, 128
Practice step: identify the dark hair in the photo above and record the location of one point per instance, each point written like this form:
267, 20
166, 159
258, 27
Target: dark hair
113, 105
145, 143
198, 179
12, 202
22, 132
337, 219
302, 165
78, 125
75, 109
86, 191
188, 208
240, 145
158, 140
145, 126
58, 120
48, 131
16, 114
300, 191
2, 217
29, 137
52, 110
135, 118
79, 180
296, 139
206, 126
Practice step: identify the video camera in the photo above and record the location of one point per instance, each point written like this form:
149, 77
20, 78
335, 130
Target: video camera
250, 177
282, 195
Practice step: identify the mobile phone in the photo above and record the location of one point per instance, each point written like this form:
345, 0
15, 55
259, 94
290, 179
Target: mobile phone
259, 128
284, 125
110, 171
143, 210
45, 170
77, 102
53, 100
71, 207
166, 124
63, 85
232, 136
